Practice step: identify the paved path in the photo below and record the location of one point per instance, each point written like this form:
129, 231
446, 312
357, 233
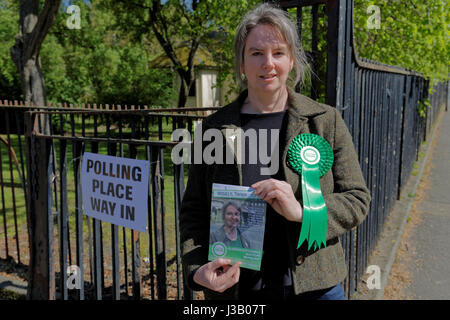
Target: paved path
430, 270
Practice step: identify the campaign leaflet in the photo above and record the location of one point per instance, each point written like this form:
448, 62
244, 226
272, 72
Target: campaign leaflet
238, 219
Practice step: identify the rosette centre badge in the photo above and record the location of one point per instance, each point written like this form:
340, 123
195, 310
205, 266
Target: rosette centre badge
310, 155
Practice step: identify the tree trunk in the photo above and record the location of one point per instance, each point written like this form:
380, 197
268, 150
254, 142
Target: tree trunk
183, 93
33, 87
182, 98
187, 79
33, 27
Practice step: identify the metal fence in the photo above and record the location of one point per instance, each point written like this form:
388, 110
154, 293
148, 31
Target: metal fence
14, 251
60, 235
41, 148
379, 104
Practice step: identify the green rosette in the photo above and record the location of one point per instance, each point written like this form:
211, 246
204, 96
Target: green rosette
311, 156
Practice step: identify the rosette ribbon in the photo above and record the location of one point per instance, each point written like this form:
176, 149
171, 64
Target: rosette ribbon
311, 156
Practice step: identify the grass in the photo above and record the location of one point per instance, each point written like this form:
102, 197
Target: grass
11, 192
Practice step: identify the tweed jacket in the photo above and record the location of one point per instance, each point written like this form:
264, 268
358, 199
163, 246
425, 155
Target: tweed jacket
343, 187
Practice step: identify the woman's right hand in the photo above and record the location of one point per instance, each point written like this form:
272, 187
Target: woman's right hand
218, 275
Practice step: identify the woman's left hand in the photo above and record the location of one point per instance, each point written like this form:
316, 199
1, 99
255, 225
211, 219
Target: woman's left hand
280, 196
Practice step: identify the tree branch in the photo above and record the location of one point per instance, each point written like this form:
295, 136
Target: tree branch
163, 40
43, 25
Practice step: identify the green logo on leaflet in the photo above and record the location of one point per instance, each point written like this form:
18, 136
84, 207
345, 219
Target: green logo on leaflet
219, 249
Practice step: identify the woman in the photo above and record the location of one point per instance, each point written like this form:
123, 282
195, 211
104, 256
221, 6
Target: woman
267, 49
229, 233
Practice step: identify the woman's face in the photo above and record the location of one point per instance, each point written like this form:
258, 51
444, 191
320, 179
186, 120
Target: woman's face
267, 61
232, 217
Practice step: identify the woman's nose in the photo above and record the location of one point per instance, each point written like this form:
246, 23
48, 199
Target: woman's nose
268, 62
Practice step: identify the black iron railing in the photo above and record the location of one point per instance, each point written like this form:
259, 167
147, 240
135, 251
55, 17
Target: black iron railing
380, 105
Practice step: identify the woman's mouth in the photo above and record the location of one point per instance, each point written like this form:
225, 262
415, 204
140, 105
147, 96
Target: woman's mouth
268, 77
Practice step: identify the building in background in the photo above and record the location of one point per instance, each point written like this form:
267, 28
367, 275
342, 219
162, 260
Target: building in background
204, 92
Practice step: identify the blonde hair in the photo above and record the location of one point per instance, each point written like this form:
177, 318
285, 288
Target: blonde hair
268, 14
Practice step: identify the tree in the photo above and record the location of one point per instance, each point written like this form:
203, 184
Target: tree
100, 63
411, 34
34, 25
176, 23
9, 79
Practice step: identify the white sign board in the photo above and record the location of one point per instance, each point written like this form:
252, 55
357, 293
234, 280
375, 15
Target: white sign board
115, 190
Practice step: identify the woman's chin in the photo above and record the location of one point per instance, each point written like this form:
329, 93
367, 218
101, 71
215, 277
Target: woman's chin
269, 88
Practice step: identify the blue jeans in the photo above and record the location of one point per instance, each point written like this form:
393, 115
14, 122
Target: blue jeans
287, 293
333, 293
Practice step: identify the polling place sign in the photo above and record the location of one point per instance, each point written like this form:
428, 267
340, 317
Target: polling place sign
115, 190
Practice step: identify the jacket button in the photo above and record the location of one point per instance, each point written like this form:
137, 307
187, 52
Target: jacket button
300, 260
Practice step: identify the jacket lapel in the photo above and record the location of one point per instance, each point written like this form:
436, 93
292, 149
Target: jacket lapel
300, 112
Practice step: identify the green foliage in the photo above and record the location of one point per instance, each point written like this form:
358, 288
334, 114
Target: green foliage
210, 23
222, 44
422, 107
100, 64
107, 60
9, 76
412, 34
94, 64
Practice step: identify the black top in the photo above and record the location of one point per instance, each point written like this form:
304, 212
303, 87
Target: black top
275, 270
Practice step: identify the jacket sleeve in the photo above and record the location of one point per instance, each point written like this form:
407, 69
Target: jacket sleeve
348, 205
194, 224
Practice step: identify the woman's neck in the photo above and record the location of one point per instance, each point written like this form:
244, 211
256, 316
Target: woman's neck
257, 103
231, 233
